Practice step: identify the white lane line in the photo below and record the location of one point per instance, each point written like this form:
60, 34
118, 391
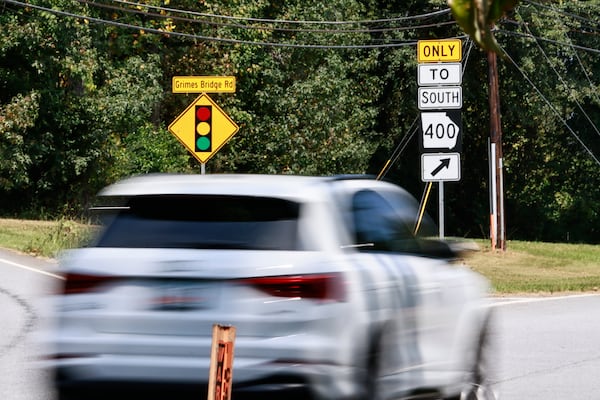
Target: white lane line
507, 301
39, 271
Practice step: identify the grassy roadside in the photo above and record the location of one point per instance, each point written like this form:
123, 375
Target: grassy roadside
526, 267
539, 268
42, 238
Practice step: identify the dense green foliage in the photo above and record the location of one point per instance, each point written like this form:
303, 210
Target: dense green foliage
84, 102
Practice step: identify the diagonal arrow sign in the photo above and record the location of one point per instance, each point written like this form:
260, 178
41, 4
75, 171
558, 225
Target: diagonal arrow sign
437, 167
444, 163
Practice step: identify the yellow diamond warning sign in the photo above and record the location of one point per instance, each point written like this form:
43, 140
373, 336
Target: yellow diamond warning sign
203, 128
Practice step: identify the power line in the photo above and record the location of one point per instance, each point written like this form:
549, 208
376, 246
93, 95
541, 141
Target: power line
524, 35
389, 43
564, 13
210, 38
594, 93
549, 104
576, 54
560, 77
255, 27
282, 21
399, 149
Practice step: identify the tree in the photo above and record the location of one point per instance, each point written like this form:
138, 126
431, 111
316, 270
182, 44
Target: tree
552, 148
67, 108
84, 103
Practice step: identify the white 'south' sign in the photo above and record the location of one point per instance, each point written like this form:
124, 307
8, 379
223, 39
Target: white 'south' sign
440, 97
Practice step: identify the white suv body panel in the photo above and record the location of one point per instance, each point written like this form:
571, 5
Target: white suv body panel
421, 315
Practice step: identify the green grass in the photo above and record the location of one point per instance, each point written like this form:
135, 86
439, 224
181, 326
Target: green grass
525, 267
43, 238
534, 267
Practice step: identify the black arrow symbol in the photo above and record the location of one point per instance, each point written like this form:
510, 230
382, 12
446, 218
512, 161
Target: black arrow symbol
444, 163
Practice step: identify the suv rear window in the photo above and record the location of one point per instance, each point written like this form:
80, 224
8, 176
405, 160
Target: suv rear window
204, 222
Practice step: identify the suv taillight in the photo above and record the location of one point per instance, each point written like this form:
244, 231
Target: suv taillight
83, 283
317, 287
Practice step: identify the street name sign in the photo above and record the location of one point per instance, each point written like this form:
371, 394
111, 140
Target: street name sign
431, 74
203, 128
203, 84
441, 131
446, 50
438, 167
440, 97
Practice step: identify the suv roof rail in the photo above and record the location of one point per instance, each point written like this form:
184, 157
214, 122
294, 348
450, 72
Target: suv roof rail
346, 177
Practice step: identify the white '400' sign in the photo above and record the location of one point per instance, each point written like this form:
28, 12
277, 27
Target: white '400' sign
441, 131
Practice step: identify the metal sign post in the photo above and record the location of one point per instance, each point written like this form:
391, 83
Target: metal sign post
441, 210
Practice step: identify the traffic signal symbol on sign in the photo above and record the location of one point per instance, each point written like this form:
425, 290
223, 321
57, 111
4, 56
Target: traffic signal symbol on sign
203, 128
203, 125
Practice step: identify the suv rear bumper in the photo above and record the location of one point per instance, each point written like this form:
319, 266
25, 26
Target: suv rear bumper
274, 387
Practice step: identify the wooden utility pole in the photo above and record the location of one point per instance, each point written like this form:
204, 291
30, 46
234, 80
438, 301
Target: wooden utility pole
497, 224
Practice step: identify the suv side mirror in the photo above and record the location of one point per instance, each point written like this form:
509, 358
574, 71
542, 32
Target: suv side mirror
435, 249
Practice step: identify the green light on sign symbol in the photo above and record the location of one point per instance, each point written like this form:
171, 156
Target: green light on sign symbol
203, 126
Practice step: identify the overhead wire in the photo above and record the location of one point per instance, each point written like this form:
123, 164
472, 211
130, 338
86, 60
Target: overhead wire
283, 21
253, 27
560, 78
570, 44
593, 91
564, 13
391, 44
551, 106
399, 149
211, 38
556, 42
387, 44
383, 43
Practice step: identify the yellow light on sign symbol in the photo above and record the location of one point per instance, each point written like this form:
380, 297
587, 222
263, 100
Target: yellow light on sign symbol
203, 128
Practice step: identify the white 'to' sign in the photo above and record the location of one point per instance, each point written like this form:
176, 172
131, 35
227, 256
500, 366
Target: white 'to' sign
439, 131
439, 74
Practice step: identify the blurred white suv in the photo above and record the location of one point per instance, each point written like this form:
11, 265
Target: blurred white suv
331, 294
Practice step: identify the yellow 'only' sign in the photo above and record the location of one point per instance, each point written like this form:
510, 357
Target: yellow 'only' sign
449, 50
203, 128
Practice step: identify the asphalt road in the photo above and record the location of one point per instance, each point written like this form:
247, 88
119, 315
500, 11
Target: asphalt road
24, 281
548, 348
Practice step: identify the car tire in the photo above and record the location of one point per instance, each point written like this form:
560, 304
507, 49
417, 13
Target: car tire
384, 352
480, 385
